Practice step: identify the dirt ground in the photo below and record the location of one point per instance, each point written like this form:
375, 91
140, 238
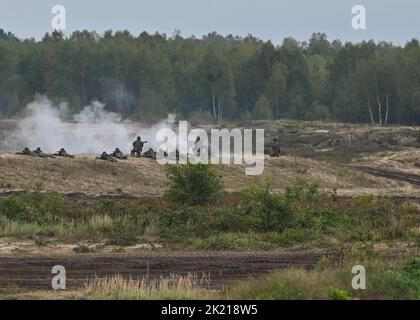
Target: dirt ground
333, 154
34, 272
140, 176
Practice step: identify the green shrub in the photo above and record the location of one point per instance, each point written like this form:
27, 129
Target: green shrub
304, 193
374, 205
82, 248
45, 207
336, 294
192, 184
222, 241
269, 211
14, 208
36, 207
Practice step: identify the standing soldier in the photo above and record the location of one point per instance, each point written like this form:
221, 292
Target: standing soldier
275, 148
197, 146
138, 147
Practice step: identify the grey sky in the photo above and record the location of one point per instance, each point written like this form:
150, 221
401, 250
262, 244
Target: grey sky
390, 20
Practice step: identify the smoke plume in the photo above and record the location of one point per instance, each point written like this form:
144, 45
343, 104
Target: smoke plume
90, 131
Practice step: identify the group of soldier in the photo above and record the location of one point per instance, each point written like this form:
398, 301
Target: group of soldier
137, 151
117, 154
39, 153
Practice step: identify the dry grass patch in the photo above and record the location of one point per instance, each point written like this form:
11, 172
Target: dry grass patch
183, 287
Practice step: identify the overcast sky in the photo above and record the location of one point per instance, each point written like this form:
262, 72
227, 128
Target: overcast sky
390, 20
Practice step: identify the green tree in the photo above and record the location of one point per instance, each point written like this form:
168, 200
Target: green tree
276, 87
263, 108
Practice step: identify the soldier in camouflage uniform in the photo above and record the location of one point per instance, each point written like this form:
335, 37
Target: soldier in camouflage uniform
275, 148
39, 153
105, 156
197, 146
138, 147
118, 154
26, 152
63, 153
150, 154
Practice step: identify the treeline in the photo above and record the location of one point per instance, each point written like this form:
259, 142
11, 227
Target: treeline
215, 77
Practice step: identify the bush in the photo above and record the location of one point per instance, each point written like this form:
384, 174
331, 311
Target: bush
336, 294
303, 192
192, 184
270, 212
222, 241
14, 208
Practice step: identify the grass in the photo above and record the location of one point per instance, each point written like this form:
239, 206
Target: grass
331, 279
253, 219
384, 280
180, 287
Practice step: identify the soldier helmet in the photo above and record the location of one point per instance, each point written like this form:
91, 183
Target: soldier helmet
117, 150
38, 149
62, 150
138, 138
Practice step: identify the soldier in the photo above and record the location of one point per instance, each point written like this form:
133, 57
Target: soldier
63, 153
150, 154
275, 148
26, 152
39, 153
138, 147
118, 154
197, 146
105, 156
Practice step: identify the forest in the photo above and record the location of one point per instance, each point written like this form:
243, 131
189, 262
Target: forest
214, 77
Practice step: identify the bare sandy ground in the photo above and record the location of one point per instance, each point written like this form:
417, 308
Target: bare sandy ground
314, 151
142, 176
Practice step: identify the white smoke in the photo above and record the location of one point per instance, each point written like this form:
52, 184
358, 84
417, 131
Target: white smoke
91, 131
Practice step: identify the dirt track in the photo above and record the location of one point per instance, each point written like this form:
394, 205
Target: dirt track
390, 174
35, 272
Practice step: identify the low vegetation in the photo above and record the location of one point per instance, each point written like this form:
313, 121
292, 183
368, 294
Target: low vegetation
386, 280
255, 218
171, 287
